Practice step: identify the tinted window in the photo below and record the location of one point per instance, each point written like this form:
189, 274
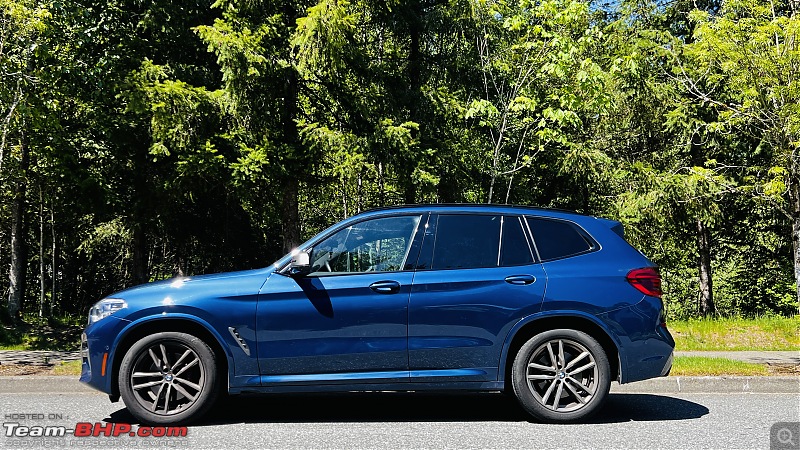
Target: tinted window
514, 250
557, 239
377, 245
466, 242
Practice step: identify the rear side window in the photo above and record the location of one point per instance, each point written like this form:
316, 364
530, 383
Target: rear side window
473, 241
557, 239
466, 241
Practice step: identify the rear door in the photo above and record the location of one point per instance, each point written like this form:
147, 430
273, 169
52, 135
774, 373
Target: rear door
475, 278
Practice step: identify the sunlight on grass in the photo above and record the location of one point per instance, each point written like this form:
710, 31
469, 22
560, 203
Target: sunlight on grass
13, 347
68, 368
704, 366
765, 333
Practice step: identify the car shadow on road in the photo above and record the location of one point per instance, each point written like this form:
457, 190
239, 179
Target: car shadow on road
416, 407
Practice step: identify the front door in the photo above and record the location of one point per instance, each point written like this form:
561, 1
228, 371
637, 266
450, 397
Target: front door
347, 321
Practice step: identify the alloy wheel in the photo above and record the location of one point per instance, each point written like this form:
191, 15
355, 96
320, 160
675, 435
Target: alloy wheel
562, 375
167, 377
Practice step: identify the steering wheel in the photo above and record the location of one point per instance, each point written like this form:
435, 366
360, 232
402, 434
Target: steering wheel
328, 266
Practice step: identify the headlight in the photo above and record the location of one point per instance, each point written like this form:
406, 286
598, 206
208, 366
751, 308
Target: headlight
105, 308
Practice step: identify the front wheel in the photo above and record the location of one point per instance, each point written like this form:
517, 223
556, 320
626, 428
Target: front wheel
168, 378
561, 376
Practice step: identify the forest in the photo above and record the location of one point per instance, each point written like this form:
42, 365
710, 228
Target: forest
141, 140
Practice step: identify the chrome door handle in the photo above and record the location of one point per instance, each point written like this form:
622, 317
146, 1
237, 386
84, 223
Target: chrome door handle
521, 279
385, 287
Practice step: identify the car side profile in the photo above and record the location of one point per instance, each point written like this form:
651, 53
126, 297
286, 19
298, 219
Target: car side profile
548, 305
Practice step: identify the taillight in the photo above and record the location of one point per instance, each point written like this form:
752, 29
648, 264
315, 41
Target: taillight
646, 280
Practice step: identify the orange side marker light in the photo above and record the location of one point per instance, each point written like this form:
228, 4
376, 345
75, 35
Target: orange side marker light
103, 366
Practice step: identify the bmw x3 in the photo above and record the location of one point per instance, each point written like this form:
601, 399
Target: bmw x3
547, 305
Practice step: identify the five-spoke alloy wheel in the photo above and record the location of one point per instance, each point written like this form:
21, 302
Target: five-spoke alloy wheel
561, 376
168, 377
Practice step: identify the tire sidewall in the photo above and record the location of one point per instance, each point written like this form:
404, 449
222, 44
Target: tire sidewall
527, 399
206, 397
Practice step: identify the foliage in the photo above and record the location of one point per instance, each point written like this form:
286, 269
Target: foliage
35, 333
742, 64
168, 139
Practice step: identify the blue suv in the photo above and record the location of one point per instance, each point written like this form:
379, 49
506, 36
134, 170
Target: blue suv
545, 304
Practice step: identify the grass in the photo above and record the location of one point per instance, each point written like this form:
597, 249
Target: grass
682, 366
72, 368
733, 334
704, 366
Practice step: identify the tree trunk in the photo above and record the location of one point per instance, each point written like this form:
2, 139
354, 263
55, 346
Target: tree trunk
410, 192
795, 193
381, 186
796, 248
290, 217
295, 165
41, 252
140, 274
19, 249
344, 196
360, 192
53, 257
415, 96
706, 284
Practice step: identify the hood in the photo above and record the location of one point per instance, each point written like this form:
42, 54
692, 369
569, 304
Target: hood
245, 282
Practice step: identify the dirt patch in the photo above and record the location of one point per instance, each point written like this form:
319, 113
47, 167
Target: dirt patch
783, 369
27, 369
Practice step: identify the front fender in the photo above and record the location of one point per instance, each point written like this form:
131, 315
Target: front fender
115, 357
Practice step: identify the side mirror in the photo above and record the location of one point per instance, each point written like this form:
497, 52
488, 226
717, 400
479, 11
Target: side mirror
300, 265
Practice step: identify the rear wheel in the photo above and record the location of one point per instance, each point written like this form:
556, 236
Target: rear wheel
168, 378
561, 376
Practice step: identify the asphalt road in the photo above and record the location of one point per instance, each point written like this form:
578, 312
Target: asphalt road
411, 421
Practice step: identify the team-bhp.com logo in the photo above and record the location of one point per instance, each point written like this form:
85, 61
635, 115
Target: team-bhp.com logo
89, 429
32, 430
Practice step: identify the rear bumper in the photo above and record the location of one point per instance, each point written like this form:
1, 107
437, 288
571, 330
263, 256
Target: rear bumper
646, 346
667, 367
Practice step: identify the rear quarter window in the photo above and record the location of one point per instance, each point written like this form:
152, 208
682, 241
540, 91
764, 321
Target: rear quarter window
556, 239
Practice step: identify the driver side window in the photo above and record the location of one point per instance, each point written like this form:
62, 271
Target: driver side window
377, 245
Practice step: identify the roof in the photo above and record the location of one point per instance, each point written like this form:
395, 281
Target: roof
457, 206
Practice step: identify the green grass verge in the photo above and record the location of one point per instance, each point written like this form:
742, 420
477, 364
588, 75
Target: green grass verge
682, 366
703, 366
764, 333
72, 368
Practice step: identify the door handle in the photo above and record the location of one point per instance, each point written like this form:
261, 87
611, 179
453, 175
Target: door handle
521, 279
385, 287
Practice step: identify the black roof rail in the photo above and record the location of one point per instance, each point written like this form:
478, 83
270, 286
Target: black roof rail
469, 205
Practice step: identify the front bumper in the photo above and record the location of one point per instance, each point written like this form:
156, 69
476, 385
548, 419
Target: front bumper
97, 353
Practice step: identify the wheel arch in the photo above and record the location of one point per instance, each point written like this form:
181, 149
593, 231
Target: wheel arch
145, 327
527, 328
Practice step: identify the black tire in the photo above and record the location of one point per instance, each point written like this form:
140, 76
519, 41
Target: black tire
556, 388
168, 378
